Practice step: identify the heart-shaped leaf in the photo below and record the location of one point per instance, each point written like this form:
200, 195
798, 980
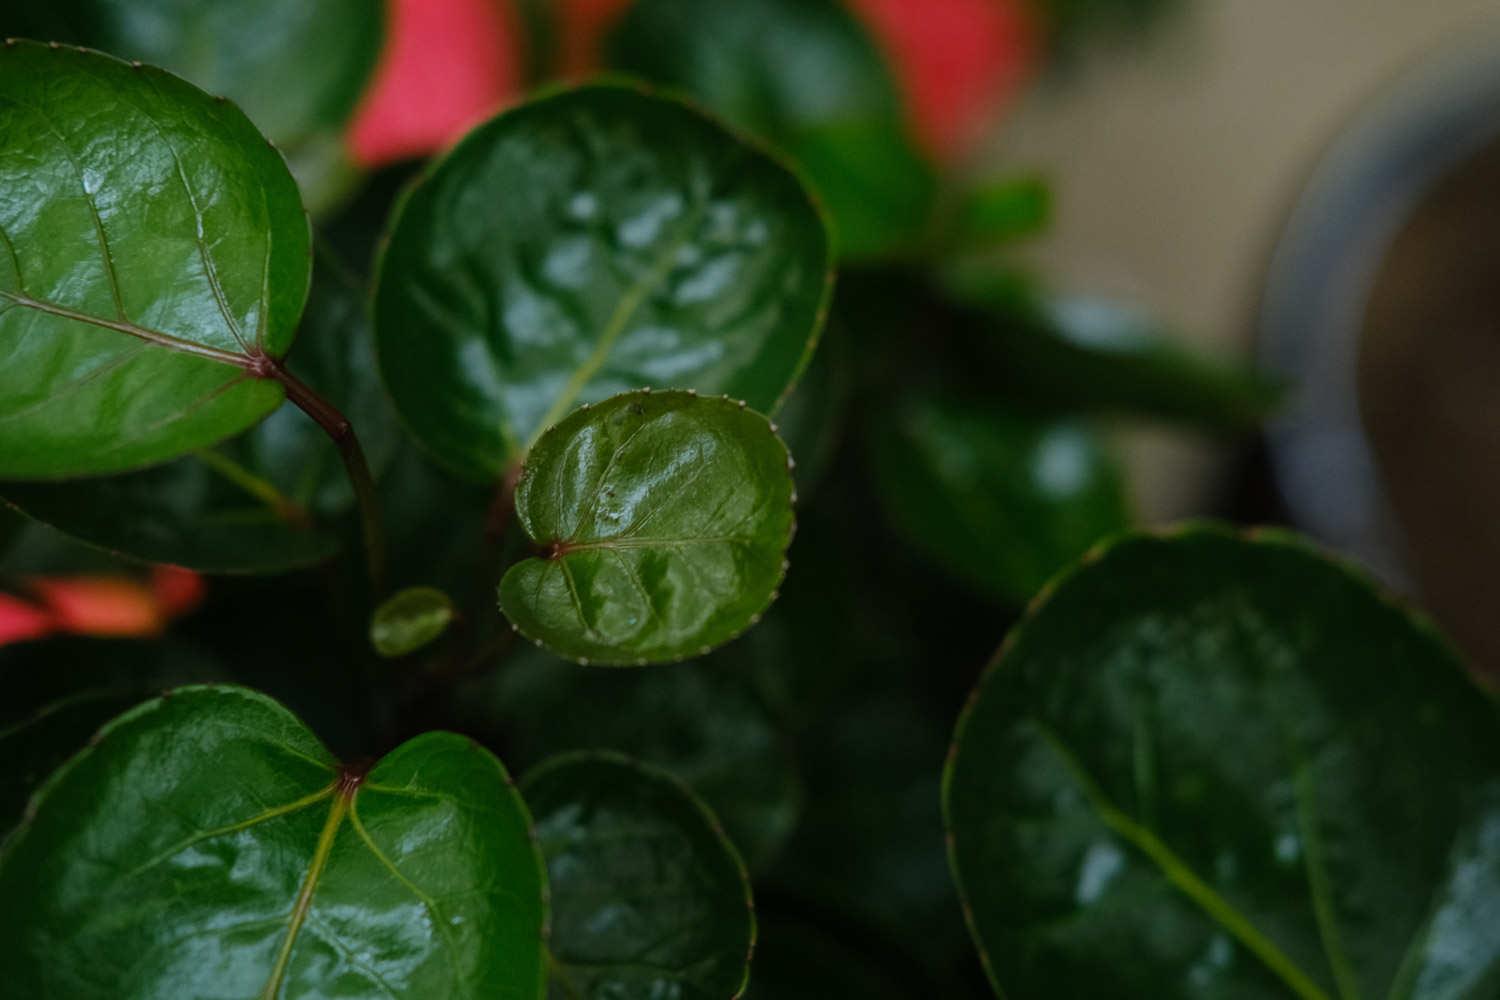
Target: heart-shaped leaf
804, 75
663, 519
1003, 498
648, 897
153, 263
582, 245
260, 503
297, 67
207, 845
1208, 766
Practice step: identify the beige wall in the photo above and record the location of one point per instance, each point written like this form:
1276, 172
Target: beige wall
1176, 162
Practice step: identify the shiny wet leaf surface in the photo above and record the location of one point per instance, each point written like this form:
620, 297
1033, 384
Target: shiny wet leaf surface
207, 845
154, 251
662, 520
1210, 766
591, 242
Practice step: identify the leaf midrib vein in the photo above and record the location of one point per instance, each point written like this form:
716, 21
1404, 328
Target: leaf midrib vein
146, 333
261, 817
122, 323
624, 310
1179, 874
651, 543
303, 903
1317, 879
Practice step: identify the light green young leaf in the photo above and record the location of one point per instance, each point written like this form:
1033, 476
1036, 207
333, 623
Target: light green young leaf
663, 520
409, 620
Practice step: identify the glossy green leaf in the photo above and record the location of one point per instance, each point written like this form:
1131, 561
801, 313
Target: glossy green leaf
704, 722
663, 520
648, 897
154, 261
807, 77
409, 620
207, 845
297, 67
1002, 498
261, 503
594, 241
1091, 354
1217, 766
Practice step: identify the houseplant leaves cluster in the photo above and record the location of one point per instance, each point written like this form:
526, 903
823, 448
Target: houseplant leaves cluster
560, 450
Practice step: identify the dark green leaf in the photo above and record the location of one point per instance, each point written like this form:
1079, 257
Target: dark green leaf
663, 520
805, 76
590, 242
297, 67
154, 259
1086, 353
1002, 498
409, 620
648, 897
1212, 766
207, 845
704, 722
261, 502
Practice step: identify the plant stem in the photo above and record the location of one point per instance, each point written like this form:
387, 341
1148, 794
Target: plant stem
341, 432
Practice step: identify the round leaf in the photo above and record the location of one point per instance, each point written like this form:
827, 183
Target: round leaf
259, 503
663, 519
648, 897
588, 243
297, 67
1209, 766
207, 845
804, 75
153, 259
1004, 499
409, 620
